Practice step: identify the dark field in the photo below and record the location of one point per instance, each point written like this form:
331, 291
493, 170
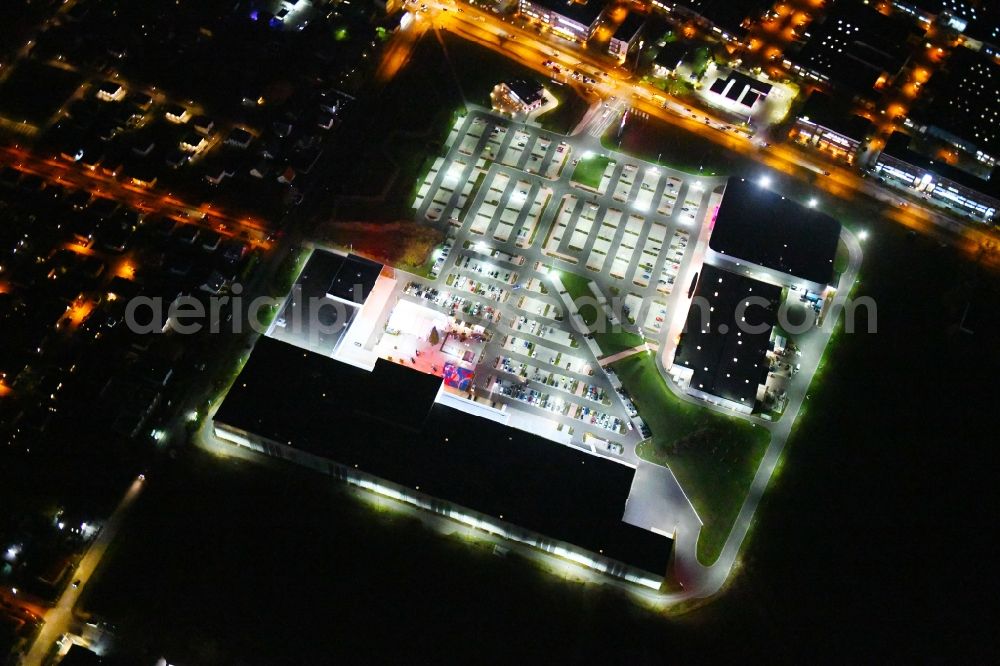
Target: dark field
35, 91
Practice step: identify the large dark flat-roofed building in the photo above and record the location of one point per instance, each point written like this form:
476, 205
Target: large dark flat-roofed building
758, 228
856, 47
355, 279
958, 15
727, 18
309, 318
325, 301
280, 380
627, 36
983, 33
721, 357
964, 109
333, 417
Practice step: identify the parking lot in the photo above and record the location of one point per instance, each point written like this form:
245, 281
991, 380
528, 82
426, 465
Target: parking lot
515, 220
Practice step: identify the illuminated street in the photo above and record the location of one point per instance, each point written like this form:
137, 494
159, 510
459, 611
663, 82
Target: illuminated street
60, 617
145, 199
531, 50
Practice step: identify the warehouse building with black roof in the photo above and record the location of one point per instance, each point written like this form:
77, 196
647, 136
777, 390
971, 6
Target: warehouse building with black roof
760, 233
722, 353
383, 431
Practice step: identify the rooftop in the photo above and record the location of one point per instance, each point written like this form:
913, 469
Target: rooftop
964, 100
671, 54
527, 91
961, 8
727, 361
355, 279
741, 88
729, 15
630, 27
305, 399
900, 146
329, 409
823, 110
758, 225
987, 27
584, 13
856, 44
310, 319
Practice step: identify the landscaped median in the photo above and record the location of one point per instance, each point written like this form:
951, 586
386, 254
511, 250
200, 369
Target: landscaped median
589, 170
713, 456
609, 337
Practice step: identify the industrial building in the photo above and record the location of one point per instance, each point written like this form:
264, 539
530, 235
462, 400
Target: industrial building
831, 127
627, 39
762, 234
382, 431
898, 164
722, 354
728, 19
517, 96
571, 20
325, 300
856, 48
963, 109
742, 89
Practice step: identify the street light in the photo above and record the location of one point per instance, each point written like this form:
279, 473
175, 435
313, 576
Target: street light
813, 202
863, 235
765, 181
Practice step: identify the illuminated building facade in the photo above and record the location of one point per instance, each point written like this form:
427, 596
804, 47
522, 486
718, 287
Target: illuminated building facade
575, 21
939, 182
824, 126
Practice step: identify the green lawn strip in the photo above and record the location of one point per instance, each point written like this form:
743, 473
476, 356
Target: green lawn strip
713, 456
614, 341
842, 260
675, 147
610, 338
576, 286
589, 170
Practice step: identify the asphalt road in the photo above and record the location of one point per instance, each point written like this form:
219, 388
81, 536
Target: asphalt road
59, 618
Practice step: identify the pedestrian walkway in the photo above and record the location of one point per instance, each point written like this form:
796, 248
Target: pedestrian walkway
608, 360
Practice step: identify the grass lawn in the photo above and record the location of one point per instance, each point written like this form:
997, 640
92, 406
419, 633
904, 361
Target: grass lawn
675, 87
613, 341
588, 171
578, 289
564, 117
34, 91
842, 260
405, 245
610, 338
713, 456
671, 146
